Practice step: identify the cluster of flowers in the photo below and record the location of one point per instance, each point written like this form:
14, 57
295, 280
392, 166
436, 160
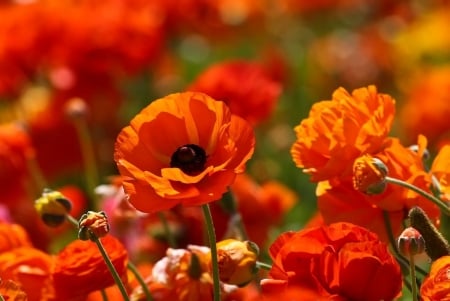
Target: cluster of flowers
171, 204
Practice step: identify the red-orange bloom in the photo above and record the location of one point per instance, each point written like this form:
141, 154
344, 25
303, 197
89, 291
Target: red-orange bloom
185, 148
246, 87
12, 236
80, 269
339, 130
339, 260
30, 268
436, 286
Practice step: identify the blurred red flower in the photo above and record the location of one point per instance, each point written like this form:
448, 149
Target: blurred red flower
339, 260
185, 148
245, 86
13, 236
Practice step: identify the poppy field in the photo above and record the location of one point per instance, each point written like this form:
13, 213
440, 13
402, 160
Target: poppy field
232, 150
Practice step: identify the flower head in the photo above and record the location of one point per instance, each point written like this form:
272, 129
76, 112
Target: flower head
369, 175
53, 207
185, 148
411, 242
93, 224
237, 261
436, 285
244, 86
341, 259
80, 269
338, 131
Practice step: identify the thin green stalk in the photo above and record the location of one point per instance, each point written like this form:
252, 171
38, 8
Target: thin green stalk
111, 267
412, 270
1, 298
444, 208
141, 281
212, 244
263, 265
72, 220
104, 295
90, 163
168, 233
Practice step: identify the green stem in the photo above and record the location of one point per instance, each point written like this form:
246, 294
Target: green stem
263, 265
168, 233
1, 298
412, 269
141, 281
212, 244
72, 220
111, 267
104, 295
444, 208
90, 163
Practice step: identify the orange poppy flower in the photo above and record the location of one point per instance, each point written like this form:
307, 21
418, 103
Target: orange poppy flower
185, 148
246, 87
79, 268
9, 290
341, 259
338, 131
30, 268
435, 287
13, 236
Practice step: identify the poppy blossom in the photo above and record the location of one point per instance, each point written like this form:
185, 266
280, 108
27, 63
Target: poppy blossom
13, 236
338, 131
435, 286
79, 268
246, 87
339, 260
185, 148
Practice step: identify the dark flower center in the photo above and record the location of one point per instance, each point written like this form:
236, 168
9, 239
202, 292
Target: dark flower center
190, 158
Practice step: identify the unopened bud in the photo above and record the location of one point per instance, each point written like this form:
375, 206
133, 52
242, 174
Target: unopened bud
411, 242
93, 225
53, 207
369, 175
237, 261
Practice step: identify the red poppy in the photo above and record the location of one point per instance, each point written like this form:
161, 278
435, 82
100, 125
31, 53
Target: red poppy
339, 260
246, 87
185, 148
435, 286
80, 269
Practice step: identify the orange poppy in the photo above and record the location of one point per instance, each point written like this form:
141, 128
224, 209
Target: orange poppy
341, 259
79, 268
338, 131
435, 287
245, 86
30, 268
185, 148
9, 290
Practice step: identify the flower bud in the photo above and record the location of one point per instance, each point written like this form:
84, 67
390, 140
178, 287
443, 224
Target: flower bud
369, 175
237, 261
93, 225
53, 207
411, 242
